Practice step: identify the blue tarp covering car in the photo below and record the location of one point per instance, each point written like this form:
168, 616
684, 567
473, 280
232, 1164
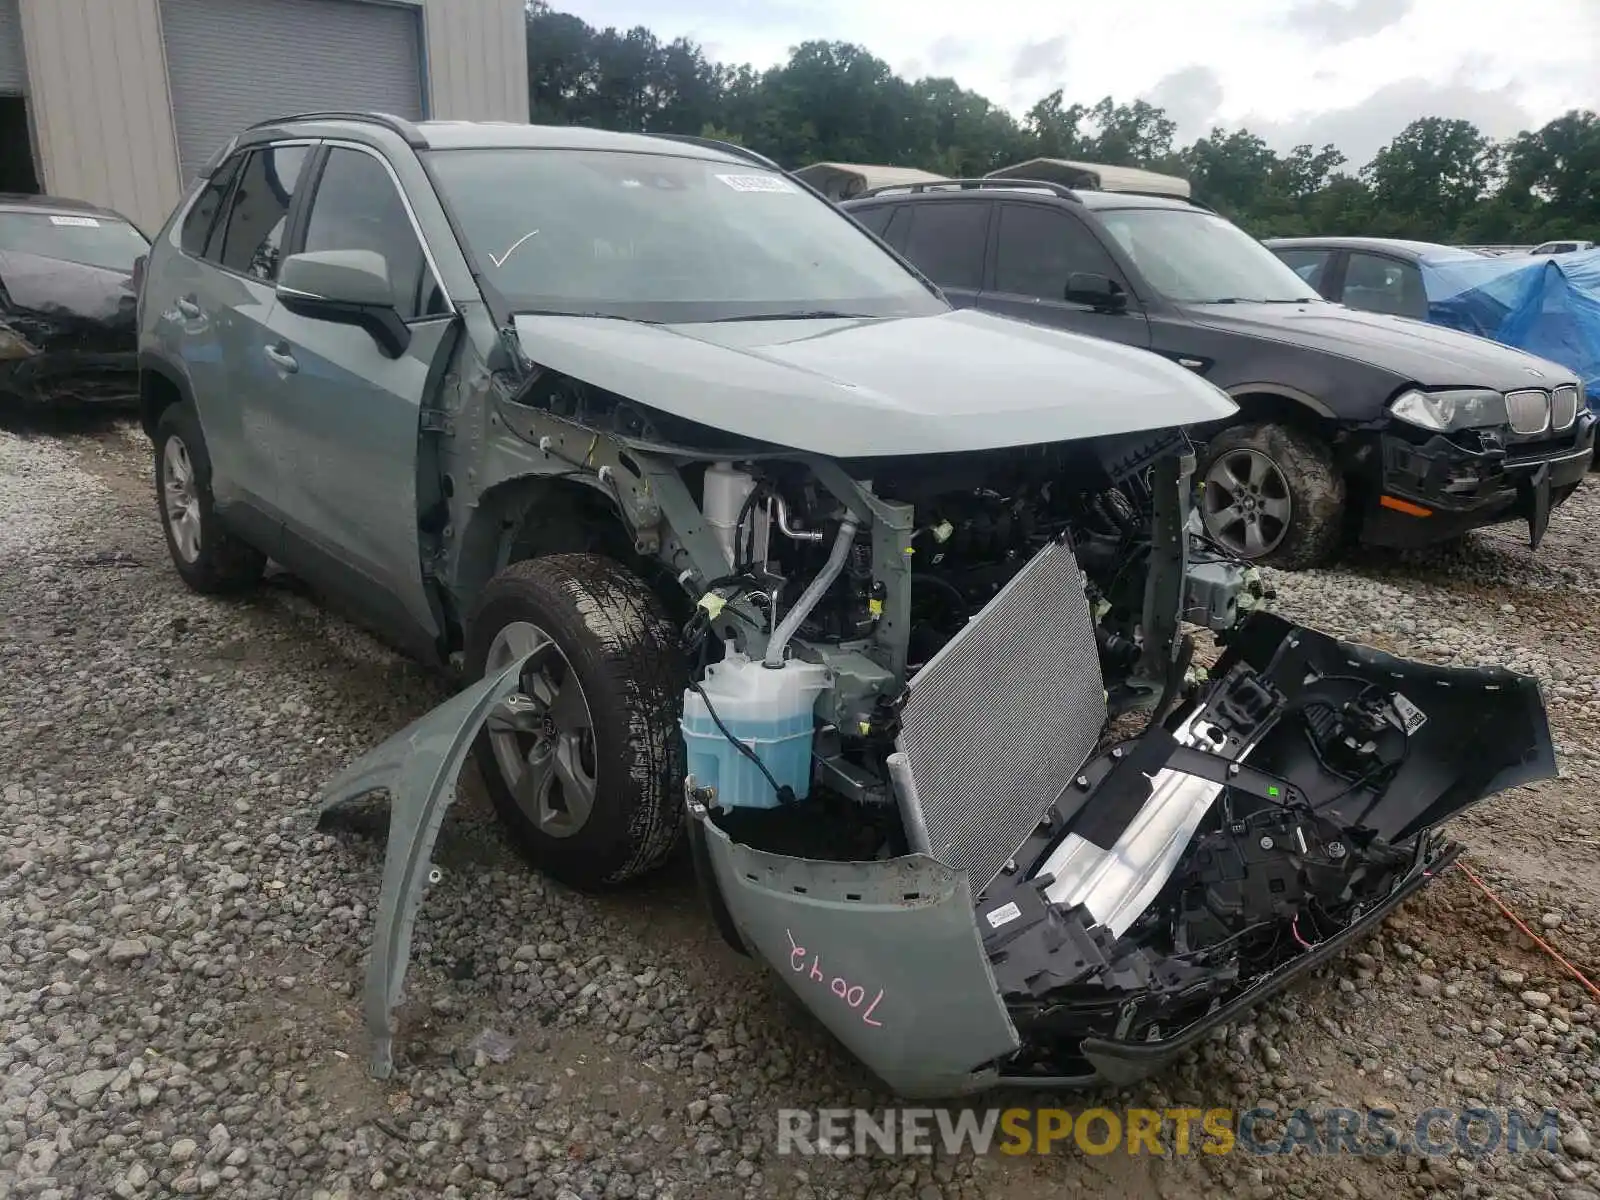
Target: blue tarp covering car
1546, 306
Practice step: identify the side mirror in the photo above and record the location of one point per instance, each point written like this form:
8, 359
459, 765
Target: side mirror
1097, 291
346, 287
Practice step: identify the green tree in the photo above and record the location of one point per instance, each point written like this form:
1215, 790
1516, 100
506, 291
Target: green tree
1430, 177
1439, 179
1052, 128
1130, 135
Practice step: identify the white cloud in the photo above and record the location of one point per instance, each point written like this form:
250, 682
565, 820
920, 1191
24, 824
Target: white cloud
1351, 71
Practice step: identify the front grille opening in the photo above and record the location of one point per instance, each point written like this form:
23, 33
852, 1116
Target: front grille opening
1563, 407
1528, 412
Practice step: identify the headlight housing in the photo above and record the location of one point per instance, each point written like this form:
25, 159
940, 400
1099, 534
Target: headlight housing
1448, 411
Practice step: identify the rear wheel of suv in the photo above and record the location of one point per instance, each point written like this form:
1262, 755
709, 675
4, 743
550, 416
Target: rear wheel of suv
584, 764
1271, 494
208, 558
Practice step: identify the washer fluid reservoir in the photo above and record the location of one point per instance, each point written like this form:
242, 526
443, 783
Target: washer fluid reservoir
770, 710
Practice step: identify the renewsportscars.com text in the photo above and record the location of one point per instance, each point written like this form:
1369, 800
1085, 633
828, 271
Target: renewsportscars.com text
1366, 1132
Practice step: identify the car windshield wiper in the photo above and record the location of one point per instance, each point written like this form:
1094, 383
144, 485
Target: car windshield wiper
810, 314
1254, 300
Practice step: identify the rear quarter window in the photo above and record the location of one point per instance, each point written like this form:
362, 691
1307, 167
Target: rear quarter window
875, 220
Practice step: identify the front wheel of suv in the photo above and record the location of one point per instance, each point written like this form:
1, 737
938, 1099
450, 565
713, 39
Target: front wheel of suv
1271, 494
584, 764
208, 558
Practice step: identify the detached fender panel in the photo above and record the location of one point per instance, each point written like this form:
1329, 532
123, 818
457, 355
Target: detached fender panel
418, 767
886, 955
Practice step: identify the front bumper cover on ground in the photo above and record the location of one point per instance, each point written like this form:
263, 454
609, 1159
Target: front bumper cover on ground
892, 955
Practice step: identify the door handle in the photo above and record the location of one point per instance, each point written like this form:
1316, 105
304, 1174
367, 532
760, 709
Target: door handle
188, 308
281, 359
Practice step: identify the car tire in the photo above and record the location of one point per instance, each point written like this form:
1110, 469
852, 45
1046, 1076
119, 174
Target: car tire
207, 556
1270, 493
589, 786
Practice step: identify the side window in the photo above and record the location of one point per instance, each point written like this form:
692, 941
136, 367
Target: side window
1310, 265
899, 226
1039, 248
356, 207
202, 216
1385, 285
875, 220
946, 241
258, 211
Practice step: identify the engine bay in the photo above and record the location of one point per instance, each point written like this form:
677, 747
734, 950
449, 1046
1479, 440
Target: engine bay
987, 660
1246, 824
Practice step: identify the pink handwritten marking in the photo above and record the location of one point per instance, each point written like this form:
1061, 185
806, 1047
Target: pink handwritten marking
853, 994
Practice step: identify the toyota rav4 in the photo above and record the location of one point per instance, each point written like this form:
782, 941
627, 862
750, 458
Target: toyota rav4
739, 537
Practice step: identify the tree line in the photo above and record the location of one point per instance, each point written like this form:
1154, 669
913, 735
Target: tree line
1439, 180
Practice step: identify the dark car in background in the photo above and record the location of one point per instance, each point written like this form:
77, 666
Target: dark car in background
1525, 301
1351, 424
1372, 274
68, 295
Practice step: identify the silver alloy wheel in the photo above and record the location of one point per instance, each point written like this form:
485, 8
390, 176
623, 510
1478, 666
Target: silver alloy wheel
543, 736
1246, 503
181, 502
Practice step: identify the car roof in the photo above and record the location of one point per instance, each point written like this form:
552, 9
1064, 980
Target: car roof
1034, 190
1401, 246
493, 135
18, 202
1111, 200
1100, 176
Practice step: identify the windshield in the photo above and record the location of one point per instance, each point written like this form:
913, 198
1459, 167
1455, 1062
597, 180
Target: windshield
93, 241
1194, 257
654, 237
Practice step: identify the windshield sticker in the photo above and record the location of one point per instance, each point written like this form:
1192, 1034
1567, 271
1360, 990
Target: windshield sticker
79, 222
757, 183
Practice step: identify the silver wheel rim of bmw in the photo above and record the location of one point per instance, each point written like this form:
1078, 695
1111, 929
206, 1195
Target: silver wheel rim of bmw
180, 499
1246, 503
543, 736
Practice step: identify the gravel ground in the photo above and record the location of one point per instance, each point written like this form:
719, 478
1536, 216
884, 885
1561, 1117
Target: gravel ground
181, 952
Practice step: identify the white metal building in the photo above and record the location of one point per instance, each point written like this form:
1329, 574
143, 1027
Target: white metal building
120, 102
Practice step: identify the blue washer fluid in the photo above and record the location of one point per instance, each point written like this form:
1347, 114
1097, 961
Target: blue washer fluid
770, 710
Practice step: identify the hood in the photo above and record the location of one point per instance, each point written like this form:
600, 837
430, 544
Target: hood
858, 388
56, 304
1414, 351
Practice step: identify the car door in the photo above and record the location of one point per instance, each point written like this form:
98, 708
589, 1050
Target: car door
1312, 265
947, 240
1037, 248
231, 300
350, 412
1382, 283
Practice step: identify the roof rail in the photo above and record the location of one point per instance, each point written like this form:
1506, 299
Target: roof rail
389, 121
706, 143
945, 185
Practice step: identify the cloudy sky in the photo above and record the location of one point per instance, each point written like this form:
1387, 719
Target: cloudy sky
1351, 72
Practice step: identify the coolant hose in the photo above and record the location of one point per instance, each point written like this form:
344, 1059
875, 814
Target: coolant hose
810, 597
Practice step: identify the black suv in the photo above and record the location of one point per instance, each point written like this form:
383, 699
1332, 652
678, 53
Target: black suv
1350, 425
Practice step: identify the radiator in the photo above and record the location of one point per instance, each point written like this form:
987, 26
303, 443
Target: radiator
1000, 719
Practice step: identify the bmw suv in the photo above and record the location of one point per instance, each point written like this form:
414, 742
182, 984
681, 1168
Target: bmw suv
1350, 424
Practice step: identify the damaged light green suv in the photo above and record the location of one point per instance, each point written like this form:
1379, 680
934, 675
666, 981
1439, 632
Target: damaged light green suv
739, 536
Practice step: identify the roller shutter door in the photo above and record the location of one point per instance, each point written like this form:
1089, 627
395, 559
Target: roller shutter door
235, 62
13, 68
